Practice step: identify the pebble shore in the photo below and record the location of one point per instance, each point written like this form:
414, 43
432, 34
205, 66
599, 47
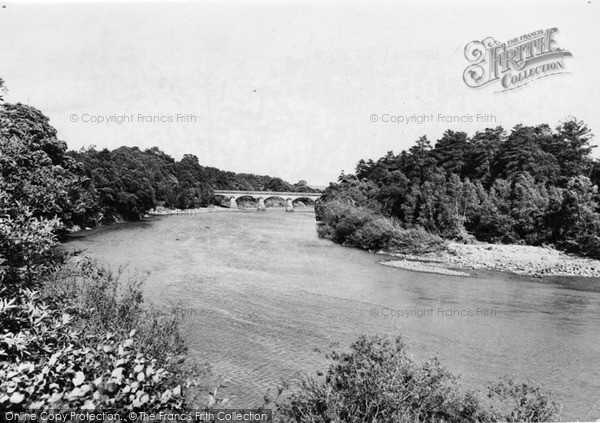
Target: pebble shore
518, 259
415, 266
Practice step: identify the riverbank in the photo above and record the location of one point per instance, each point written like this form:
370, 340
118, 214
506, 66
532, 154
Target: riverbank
164, 211
519, 259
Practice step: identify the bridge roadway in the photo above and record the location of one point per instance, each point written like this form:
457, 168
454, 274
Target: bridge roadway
261, 196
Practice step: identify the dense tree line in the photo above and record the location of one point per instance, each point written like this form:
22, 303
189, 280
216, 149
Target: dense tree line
533, 185
127, 182
91, 186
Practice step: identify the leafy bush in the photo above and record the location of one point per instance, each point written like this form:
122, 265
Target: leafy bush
375, 234
102, 302
416, 241
113, 374
522, 401
357, 226
49, 357
589, 245
378, 382
68, 346
25, 259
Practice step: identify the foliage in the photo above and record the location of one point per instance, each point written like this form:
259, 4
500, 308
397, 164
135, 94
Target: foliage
358, 226
2, 89
101, 302
70, 337
73, 344
127, 182
522, 401
49, 357
377, 381
25, 258
533, 185
35, 169
114, 374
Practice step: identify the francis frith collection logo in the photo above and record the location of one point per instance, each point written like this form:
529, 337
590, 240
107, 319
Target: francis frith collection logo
516, 62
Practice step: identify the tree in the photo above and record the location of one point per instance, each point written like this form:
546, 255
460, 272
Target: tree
35, 169
483, 149
451, 151
572, 147
45, 362
595, 173
529, 205
522, 152
578, 213
497, 187
419, 161
2, 89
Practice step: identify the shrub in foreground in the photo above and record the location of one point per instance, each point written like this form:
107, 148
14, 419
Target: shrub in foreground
377, 381
70, 337
112, 374
101, 301
71, 342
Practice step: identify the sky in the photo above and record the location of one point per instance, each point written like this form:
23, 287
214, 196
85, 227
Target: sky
296, 89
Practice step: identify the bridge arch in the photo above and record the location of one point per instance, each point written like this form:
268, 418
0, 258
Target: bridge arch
280, 197
311, 200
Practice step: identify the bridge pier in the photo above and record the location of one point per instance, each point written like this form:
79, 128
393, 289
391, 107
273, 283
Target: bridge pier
289, 205
261, 205
232, 203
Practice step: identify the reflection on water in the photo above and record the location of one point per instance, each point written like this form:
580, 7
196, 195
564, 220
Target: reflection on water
264, 295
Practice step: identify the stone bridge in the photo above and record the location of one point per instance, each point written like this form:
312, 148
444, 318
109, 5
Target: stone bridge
261, 196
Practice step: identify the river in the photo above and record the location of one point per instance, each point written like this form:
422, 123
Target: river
265, 297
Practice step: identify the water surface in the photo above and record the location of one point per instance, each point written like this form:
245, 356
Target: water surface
265, 297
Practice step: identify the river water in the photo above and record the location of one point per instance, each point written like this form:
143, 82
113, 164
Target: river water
265, 297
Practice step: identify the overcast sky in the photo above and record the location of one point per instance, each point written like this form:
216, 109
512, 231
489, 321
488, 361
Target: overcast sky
285, 88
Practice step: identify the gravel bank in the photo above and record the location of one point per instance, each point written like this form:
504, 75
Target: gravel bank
416, 266
519, 259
